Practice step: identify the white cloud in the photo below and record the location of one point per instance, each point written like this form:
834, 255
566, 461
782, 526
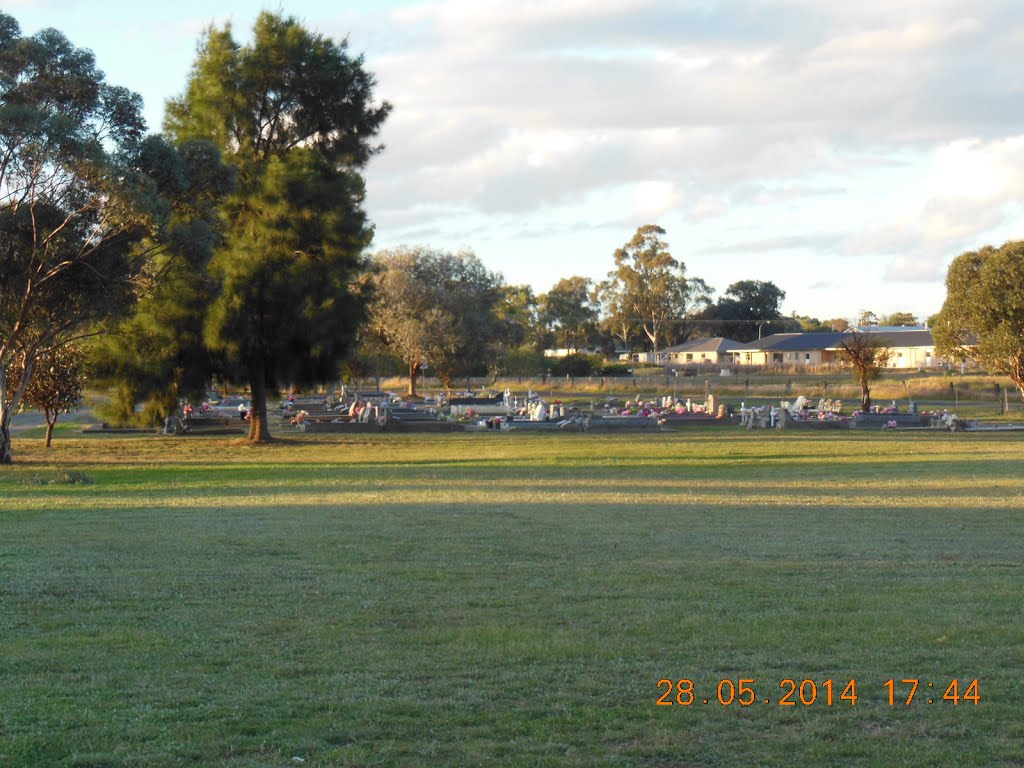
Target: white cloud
788, 127
968, 190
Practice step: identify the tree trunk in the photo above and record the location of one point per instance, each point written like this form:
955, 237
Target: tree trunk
414, 370
5, 417
259, 430
652, 334
9, 402
5, 434
51, 420
1017, 373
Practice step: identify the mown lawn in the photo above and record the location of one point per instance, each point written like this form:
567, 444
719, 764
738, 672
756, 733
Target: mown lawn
510, 599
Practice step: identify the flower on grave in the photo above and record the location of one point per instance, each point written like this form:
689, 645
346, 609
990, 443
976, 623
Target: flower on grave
891, 424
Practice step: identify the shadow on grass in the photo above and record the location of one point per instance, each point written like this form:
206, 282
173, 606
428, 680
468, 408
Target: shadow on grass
511, 633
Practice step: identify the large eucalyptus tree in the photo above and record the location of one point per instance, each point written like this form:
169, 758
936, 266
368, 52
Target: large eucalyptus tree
86, 202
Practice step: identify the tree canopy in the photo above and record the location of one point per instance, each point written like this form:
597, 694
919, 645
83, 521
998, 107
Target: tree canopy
294, 115
156, 353
749, 309
983, 314
896, 319
648, 287
57, 384
85, 202
435, 308
569, 313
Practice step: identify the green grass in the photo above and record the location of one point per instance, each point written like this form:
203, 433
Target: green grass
509, 599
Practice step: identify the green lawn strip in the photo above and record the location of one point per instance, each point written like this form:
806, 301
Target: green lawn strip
510, 601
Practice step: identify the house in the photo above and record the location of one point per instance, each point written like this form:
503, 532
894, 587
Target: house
795, 349
714, 351
909, 348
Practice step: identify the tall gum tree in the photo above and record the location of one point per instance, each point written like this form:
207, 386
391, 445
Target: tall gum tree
295, 115
983, 314
85, 202
648, 286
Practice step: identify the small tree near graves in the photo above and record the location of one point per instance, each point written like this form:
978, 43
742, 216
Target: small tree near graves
56, 384
435, 308
867, 357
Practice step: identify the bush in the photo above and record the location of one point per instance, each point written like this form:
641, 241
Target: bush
615, 369
574, 365
524, 361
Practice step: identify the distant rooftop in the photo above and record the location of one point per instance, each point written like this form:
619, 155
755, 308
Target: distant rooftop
886, 328
715, 344
900, 336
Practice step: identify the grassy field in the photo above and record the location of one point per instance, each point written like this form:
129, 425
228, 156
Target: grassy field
511, 599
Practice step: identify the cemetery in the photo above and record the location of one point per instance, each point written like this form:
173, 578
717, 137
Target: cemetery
353, 412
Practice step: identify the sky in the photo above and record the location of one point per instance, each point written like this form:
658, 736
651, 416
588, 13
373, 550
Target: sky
846, 152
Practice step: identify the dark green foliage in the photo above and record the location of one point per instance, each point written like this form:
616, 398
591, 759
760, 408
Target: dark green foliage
575, 365
157, 354
748, 310
616, 369
516, 313
570, 314
898, 319
524, 361
294, 115
806, 324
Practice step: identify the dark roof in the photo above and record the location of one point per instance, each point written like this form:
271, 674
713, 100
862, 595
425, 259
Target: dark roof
716, 344
908, 338
790, 342
802, 342
882, 328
